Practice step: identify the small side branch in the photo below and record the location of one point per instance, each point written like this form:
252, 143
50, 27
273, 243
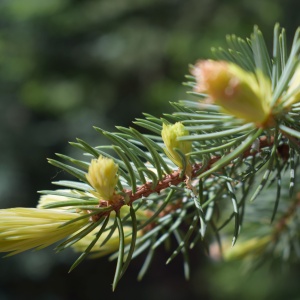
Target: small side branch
174, 179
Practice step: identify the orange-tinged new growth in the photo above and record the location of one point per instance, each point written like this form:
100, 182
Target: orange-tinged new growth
245, 95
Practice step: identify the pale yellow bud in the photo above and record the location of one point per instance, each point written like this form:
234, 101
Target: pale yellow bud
246, 249
170, 134
111, 246
102, 176
26, 228
240, 93
49, 199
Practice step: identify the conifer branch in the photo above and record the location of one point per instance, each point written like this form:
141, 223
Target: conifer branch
194, 172
173, 179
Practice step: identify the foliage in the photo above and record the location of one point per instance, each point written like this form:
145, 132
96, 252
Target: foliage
191, 181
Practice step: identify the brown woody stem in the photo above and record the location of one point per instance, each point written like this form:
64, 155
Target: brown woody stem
174, 179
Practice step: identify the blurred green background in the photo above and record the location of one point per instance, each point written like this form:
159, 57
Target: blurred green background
68, 65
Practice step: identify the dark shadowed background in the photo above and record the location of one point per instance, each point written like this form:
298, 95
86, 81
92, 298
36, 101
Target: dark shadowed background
68, 65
